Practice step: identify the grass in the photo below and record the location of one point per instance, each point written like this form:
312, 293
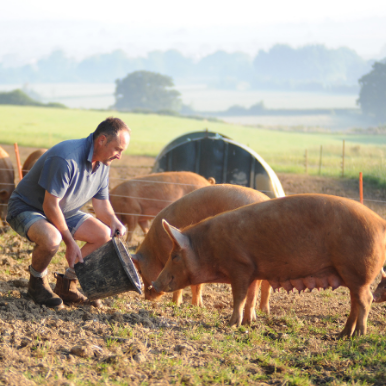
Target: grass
295, 345
283, 150
229, 356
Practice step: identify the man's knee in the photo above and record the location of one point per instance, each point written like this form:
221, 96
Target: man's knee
51, 242
45, 236
104, 234
93, 231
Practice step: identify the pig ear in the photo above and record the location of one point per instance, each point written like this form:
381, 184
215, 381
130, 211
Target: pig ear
176, 236
136, 257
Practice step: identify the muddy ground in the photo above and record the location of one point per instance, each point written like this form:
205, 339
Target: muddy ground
118, 344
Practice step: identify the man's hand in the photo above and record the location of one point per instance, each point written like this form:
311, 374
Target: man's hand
117, 228
73, 254
105, 213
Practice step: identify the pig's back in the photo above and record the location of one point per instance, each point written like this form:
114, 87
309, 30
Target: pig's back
175, 183
157, 184
292, 236
195, 207
31, 160
207, 202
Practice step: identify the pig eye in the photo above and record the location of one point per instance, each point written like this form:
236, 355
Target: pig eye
175, 257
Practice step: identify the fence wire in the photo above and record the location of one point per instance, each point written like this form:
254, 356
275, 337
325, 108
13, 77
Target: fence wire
168, 183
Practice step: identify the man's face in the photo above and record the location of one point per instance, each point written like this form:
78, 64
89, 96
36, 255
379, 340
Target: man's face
106, 151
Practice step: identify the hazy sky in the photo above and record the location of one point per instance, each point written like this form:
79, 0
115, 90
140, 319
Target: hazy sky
30, 29
177, 13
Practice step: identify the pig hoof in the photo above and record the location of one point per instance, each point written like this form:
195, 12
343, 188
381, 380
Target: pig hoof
234, 324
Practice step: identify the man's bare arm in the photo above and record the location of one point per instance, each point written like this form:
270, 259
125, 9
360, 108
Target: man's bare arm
105, 213
53, 212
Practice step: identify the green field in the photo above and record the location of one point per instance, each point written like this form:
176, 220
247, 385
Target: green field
283, 150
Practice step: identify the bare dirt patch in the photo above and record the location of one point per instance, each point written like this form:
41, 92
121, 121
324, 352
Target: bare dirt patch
132, 341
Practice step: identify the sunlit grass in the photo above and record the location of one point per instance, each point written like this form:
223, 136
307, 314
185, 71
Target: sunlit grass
283, 150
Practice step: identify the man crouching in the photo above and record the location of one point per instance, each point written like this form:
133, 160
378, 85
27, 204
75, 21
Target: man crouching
44, 207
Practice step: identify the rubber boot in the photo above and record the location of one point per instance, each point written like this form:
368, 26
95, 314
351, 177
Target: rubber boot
41, 293
66, 289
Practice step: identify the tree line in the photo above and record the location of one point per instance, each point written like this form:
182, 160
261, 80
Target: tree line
148, 91
311, 68
154, 92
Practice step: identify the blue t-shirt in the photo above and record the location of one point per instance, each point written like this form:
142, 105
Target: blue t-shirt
65, 171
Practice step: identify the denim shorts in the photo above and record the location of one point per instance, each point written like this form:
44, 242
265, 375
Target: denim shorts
23, 221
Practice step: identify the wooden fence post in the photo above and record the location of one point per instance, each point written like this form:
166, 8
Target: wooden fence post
18, 162
361, 187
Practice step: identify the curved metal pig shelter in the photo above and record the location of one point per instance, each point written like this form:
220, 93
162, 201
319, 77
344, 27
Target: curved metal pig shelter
195, 135
214, 155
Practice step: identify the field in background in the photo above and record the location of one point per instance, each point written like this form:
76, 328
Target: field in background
283, 150
316, 122
197, 96
202, 98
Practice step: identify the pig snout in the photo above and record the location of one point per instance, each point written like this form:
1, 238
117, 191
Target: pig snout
164, 283
152, 293
379, 295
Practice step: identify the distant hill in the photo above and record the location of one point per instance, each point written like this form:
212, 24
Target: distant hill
311, 68
19, 98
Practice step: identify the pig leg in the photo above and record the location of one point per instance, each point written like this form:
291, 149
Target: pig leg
239, 289
144, 224
360, 308
351, 320
249, 312
197, 295
129, 236
265, 293
125, 221
177, 297
130, 215
131, 222
365, 300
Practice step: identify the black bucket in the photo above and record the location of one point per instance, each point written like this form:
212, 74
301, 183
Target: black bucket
108, 271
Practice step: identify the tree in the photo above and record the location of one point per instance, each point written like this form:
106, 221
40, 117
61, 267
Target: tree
106, 67
146, 90
310, 63
372, 96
